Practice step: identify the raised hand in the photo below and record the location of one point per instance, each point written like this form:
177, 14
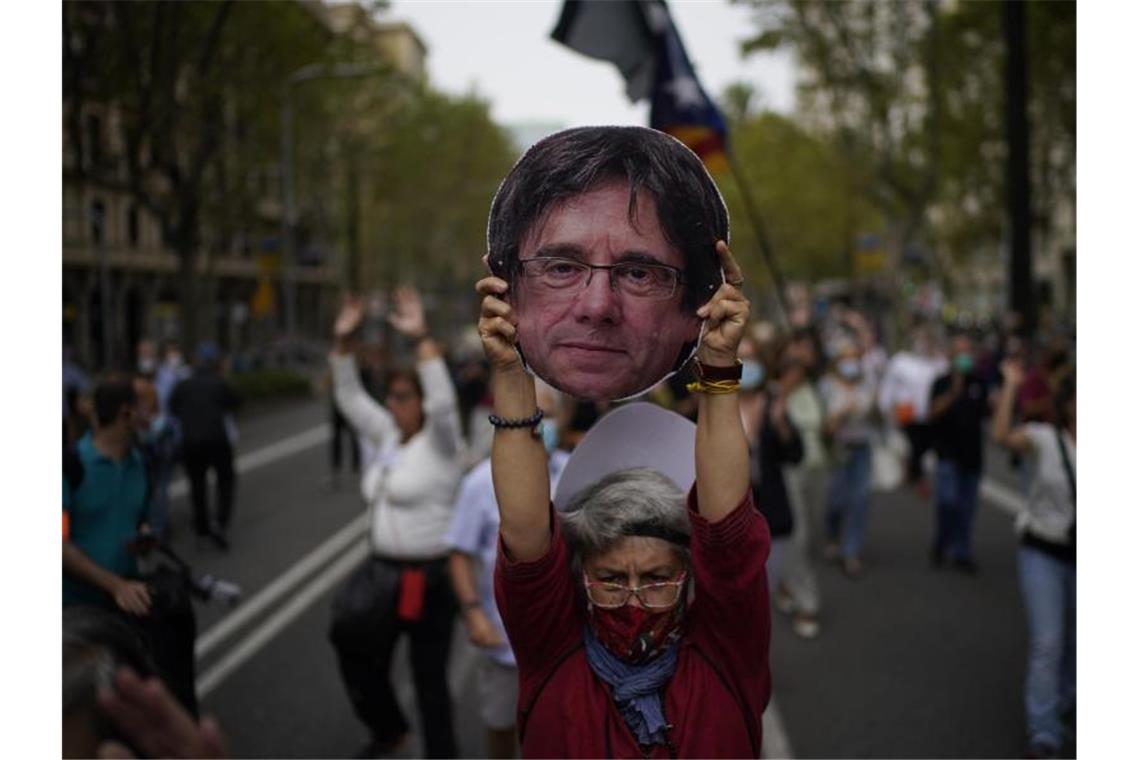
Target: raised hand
497, 324
726, 314
1012, 373
349, 318
149, 717
407, 314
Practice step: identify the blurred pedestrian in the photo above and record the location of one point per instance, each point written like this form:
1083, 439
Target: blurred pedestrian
170, 371
410, 489
202, 403
340, 430
105, 498
958, 405
640, 626
798, 591
1047, 559
849, 397
75, 386
904, 395
474, 540
773, 443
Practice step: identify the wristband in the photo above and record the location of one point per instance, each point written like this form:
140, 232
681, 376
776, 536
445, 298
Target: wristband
525, 422
713, 387
711, 372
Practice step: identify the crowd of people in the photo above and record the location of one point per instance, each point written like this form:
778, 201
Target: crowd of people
638, 603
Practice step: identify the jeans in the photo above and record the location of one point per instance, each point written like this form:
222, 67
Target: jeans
956, 498
806, 494
849, 499
1049, 591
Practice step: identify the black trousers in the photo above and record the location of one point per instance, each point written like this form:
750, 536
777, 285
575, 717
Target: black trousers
365, 629
341, 428
198, 459
919, 436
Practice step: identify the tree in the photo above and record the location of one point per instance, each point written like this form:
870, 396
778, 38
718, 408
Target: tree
810, 213
191, 86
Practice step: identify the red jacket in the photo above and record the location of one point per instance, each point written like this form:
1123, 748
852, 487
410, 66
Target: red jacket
716, 697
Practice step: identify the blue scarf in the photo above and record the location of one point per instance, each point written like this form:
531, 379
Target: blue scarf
636, 688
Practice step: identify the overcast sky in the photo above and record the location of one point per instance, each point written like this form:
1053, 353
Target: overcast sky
503, 50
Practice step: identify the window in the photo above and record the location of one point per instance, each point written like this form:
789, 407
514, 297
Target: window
133, 226
98, 222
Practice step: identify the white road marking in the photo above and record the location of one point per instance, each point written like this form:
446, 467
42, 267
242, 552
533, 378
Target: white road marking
274, 452
281, 619
280, 586
776, 744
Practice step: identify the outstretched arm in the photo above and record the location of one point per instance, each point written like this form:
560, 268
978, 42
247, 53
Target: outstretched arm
367, 417
722, 449
1004, 433
518, 459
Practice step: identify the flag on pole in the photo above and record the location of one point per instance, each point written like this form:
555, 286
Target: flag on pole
640, 38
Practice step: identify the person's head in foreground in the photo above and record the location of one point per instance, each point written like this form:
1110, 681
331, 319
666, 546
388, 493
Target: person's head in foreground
95, 644
629, 534
607, 237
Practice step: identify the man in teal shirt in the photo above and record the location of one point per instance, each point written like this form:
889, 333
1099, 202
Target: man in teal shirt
105, 499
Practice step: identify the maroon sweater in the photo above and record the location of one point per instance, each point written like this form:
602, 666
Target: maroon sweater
716, 697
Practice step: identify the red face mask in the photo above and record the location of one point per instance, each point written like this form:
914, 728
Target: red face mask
635, 634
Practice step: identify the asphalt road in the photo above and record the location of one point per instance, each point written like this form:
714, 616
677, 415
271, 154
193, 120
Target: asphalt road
912, 662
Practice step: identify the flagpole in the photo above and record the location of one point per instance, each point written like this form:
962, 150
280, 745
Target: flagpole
761, 233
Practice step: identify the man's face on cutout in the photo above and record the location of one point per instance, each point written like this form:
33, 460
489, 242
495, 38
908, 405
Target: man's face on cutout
599, 340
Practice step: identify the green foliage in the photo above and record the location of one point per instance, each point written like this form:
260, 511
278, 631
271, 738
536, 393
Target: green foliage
264, 384
912, 95
801, 186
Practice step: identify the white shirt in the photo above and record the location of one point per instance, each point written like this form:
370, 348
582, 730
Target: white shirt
474, 530
908, 379
1050, 506
409, 487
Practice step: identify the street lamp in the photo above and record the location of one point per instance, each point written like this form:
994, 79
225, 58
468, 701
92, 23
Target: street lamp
288, 216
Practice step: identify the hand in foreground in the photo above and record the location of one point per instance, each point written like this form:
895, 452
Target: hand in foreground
349, 319
153, 721
726, 312
1012, 373
480, 630
407, 314
132, 597
497, 324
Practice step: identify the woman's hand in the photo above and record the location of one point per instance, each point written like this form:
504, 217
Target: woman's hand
407, 314
498, 325
347, 322
726, 314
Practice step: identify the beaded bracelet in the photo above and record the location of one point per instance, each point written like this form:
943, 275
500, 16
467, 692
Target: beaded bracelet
525, 422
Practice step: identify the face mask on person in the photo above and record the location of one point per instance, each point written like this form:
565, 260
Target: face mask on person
849, 369
146, 365
751, 374
548, 428
634, 634
963, 363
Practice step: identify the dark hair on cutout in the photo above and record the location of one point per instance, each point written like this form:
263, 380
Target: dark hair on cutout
569, 163
112, 392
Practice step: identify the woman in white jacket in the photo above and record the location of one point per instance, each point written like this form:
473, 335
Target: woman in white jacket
409, 486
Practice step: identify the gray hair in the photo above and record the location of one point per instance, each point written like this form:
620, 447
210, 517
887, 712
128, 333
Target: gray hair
633, 502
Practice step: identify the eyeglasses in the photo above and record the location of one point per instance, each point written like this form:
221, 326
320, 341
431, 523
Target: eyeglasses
557, 276
652, 595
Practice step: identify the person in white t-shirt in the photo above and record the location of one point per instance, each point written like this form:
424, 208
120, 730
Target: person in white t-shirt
474, 540
409, 486
1047, 558
904, 395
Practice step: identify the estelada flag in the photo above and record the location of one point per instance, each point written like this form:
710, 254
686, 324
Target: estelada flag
640, 38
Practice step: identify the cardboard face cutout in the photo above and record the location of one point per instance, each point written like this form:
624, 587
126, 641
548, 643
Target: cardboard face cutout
606, 302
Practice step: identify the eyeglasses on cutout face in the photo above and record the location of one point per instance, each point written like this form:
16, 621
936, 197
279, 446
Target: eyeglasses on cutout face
610, 595
554, 276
